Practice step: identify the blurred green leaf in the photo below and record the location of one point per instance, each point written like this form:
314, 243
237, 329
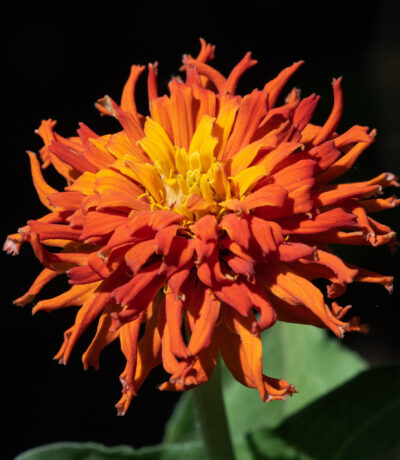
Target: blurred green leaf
359, 420
93, 451
244, 450
303, 355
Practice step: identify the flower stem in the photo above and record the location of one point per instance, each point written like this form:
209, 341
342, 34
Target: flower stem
213, 421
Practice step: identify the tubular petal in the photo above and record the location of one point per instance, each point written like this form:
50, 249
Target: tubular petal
304, 111
250, 113
237, 229
204, 311
86, 315
332, 122
319, 223
105, 334
245, 64
250, 351
137, 256
45, 276
294, 289
269, 195
275, 86
42, 188
128, 93
77, 295
129, 335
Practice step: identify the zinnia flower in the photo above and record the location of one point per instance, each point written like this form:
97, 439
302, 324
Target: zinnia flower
192, 230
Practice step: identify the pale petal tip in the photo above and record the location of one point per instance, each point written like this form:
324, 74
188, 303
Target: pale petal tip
10, 247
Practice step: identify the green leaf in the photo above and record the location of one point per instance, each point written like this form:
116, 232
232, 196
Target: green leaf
357, 421
93, 451
303, 355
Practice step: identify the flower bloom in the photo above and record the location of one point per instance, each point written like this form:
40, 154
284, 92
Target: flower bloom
212, 216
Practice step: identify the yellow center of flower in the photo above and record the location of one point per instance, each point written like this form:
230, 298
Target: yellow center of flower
185, 180
194, 174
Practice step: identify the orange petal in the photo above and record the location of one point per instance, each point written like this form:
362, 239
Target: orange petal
174, 315
206, 228
297, 314
207, 101
164, 238
181, 114
235, 295
59, 262
223, 125
148, 352
204, 311
260, 302
304, 111
200, 370
132, 128
82, 275
354, 134
209, 72
240, 266
237, 229
209, 268
296, 290
85, 184
296, 175
269, 195
242, 351
41, 186
331, 194
108, 180
344, 163
288, 251
98, 223
233, 79
368, 276
181, 254
268, 234
323, 222
44, 277
250, 113
344, 274
164, 218
99, 265
75, 296
66, 201
333, 121
121, 201
105, 334
278, 154
129, 335
128, 93
86, 315
71, 157
380, 204
138, 255
275, 86
325, 154
142, 293
160, 112
152, 87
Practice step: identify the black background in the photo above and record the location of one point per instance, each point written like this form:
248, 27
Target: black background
58, 61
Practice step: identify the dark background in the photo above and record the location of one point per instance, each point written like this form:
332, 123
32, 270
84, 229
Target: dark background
58, 61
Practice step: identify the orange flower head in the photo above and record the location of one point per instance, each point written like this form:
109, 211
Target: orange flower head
213, 215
